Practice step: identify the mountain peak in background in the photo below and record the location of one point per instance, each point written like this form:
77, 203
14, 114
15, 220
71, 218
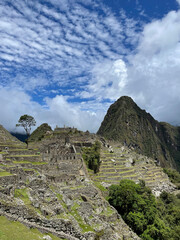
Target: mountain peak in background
129, 124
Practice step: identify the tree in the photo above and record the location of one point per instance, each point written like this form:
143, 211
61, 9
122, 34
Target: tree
135, 203
91, 155
26, 122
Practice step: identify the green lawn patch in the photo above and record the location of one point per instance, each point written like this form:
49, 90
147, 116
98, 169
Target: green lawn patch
3, 153
4, 173
75, 214
33, 163
33, 155
11, 230
102, 188
108, 212
23, 195
39, 163
18, 150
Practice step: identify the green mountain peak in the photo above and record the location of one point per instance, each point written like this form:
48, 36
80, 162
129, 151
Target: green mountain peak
129, 124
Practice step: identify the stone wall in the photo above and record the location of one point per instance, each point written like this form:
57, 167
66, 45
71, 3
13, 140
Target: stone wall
61, 178
30, 218
8, 180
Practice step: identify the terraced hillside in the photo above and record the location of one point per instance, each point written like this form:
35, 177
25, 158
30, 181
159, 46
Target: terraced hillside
47, 189
121, 163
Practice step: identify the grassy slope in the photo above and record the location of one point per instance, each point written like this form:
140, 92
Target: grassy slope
11, 230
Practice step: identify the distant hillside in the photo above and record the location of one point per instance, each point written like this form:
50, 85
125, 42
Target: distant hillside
22, 137
129, 124
5, 136
39, 133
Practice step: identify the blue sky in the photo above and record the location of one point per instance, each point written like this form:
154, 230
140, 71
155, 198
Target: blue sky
66, 61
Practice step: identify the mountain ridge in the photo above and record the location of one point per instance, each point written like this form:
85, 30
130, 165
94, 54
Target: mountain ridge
126, 122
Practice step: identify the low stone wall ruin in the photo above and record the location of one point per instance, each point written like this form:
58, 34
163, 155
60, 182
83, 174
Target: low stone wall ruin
8, 180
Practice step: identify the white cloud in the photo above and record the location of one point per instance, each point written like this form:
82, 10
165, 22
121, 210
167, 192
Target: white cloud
153, 75
108, 80
65, 36
13, 104
72, 49
178, 1
57, 111
161, 35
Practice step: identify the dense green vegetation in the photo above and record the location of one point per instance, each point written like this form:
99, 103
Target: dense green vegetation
91, 156
150, 218
173, 175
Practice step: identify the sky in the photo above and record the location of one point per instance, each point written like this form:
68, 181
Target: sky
64, 62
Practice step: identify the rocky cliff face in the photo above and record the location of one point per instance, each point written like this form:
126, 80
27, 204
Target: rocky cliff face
129, 124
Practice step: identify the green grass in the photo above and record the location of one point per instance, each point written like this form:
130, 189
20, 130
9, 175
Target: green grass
77, 187
16, 162
62, 216
18, 150
4, 173
3, 153
116, 161
60, 198
33, 163
23, 195
102, 188
39, 163
109, 157
108, 212
111, 168
32, 155
75, 214
13, 146
28, 169
11, 230
128, 171
75, 206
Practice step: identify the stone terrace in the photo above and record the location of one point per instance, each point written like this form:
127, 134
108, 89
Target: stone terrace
121, 163
48, 189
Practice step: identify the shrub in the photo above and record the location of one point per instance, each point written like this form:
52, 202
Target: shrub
91, 156
150, 218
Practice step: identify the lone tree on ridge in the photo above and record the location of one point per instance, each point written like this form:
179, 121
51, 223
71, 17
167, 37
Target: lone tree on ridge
26, 122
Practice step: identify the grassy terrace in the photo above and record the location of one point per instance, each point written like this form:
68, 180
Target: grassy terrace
12, 230
13, 145
112, 167
112, 163
3, 153
114, 158
116, 176
4, 173
109, 174
13, 156
33, 163
113, 171
18, 150
23, 195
